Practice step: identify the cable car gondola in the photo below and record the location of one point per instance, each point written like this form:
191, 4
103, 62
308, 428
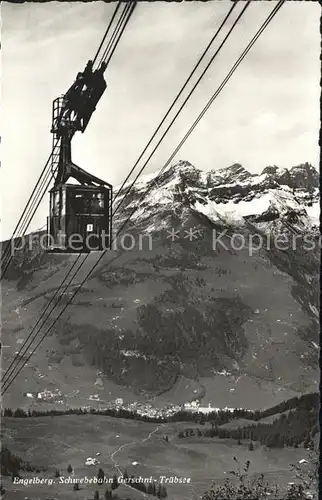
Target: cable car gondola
80, 215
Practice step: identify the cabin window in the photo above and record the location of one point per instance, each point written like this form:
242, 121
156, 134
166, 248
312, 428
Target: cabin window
78, 203
97, 204
89, 203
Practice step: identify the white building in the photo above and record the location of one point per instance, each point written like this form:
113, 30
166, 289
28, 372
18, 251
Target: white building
207, 409
91, 461
119, 401
192, 405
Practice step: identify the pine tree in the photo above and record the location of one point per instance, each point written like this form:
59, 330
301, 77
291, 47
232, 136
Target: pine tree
150, 489
57, 473
163, 491
140, 487
108, 495
125, 475
96, 495
251, 446
69, 469
115, 483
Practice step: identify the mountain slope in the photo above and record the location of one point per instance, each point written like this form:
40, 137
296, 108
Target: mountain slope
213, 287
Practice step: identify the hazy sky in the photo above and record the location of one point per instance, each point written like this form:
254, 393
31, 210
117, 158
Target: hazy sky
267, 114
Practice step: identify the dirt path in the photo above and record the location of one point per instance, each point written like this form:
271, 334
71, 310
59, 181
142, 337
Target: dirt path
195, 495
116, 465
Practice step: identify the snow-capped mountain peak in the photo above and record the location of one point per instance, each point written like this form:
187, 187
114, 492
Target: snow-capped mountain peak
230, 175
230, 195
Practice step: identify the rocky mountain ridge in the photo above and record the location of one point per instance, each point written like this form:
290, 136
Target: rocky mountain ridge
232, 194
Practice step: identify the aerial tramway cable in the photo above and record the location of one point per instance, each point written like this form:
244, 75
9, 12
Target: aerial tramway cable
107, 31
224, 82
190, 93
129, 10
130, 173
178, 95
215, 95
31, 209
46, 176
7, 250
108, 53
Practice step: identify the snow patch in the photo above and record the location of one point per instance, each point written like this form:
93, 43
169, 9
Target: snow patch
313, 213
222, 372
314, 310
235, 212
134, 354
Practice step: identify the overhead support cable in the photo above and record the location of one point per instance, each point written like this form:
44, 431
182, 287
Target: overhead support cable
118, 32
217, 92
47, 175
107, 31
201, 58
33, 334
6, 255
129, 10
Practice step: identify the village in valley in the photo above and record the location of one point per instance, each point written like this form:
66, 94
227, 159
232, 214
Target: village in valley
143, 409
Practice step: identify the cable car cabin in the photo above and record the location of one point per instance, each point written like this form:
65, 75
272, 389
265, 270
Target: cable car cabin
80, 215
80, 218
